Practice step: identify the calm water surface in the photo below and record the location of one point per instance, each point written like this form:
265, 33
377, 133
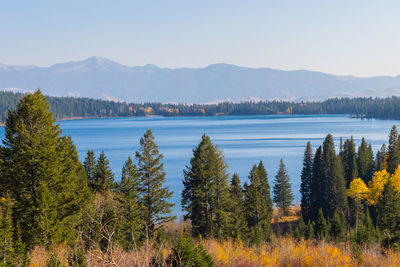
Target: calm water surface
245, 140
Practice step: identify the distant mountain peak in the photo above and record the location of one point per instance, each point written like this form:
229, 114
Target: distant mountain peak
100, 77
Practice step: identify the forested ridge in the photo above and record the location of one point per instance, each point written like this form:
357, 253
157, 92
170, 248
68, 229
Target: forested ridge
71, 107
58, 211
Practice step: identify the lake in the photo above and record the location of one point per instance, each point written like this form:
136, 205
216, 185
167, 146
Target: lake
245, 140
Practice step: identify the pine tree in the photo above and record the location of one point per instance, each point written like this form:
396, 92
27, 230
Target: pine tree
239, 227
129, 190
306, 184
103, 178
389, 213
301, 229
381, 158
320, 227
349, 161
317, 186
266, 191
205, 197
334, 197
90, 168
40, 165
283, 196
220, 200
154, 197
336, 229
258, 209
7, 252
393, 159
365, 161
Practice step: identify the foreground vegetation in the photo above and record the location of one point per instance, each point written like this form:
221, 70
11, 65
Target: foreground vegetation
71, 107
56, 211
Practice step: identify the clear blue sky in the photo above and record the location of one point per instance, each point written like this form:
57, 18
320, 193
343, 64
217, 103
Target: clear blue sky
357, 37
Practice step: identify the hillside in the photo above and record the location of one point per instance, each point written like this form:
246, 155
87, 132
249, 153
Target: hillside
102, 78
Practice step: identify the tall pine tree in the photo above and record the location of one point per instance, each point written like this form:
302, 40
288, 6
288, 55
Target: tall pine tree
349, 161
365, 161
103, 179
393, 159
306, 183
283, 196
42, 172
205, 197
238, 224
317, 185
154, 196
90, 167
129, 190
258, 207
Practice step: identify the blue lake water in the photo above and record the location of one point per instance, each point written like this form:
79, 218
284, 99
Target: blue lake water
245, 140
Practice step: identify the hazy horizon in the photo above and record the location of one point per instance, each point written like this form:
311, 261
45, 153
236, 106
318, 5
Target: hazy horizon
357, 38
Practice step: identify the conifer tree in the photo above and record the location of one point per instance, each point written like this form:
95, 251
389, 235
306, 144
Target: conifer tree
131, 221
239, 227
154, 196
349, 161
283, 196
258, 209
205, 197
306, 184
266, 191
317, 186
381, 158
336, 229
365, 161
103, 178
7, 252
90, 168
393, 159
334, 197
389, 213
39, 165
320, 227
301, 229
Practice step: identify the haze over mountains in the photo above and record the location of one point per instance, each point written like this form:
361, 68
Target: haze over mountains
102, 78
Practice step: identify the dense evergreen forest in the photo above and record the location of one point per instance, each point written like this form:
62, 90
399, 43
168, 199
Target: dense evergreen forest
57, 211
70, 107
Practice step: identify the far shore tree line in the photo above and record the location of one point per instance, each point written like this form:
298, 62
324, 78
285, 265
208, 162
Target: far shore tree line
82, 107
48, 197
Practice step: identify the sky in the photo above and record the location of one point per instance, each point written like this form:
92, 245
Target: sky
356, 37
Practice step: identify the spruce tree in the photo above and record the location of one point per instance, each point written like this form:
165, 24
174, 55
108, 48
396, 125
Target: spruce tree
334, 197
205, 197
393, 159
283, 196
381, 158
306, 184
336, 227
154, 196
258, 209
365, 161
90, 168
39, 165
103, 178
238, 224
320, 227
389, 213
317, 186
7, 252
266, 191
129, 190
349, 161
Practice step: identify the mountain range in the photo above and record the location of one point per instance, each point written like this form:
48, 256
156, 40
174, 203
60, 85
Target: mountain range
101, 78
